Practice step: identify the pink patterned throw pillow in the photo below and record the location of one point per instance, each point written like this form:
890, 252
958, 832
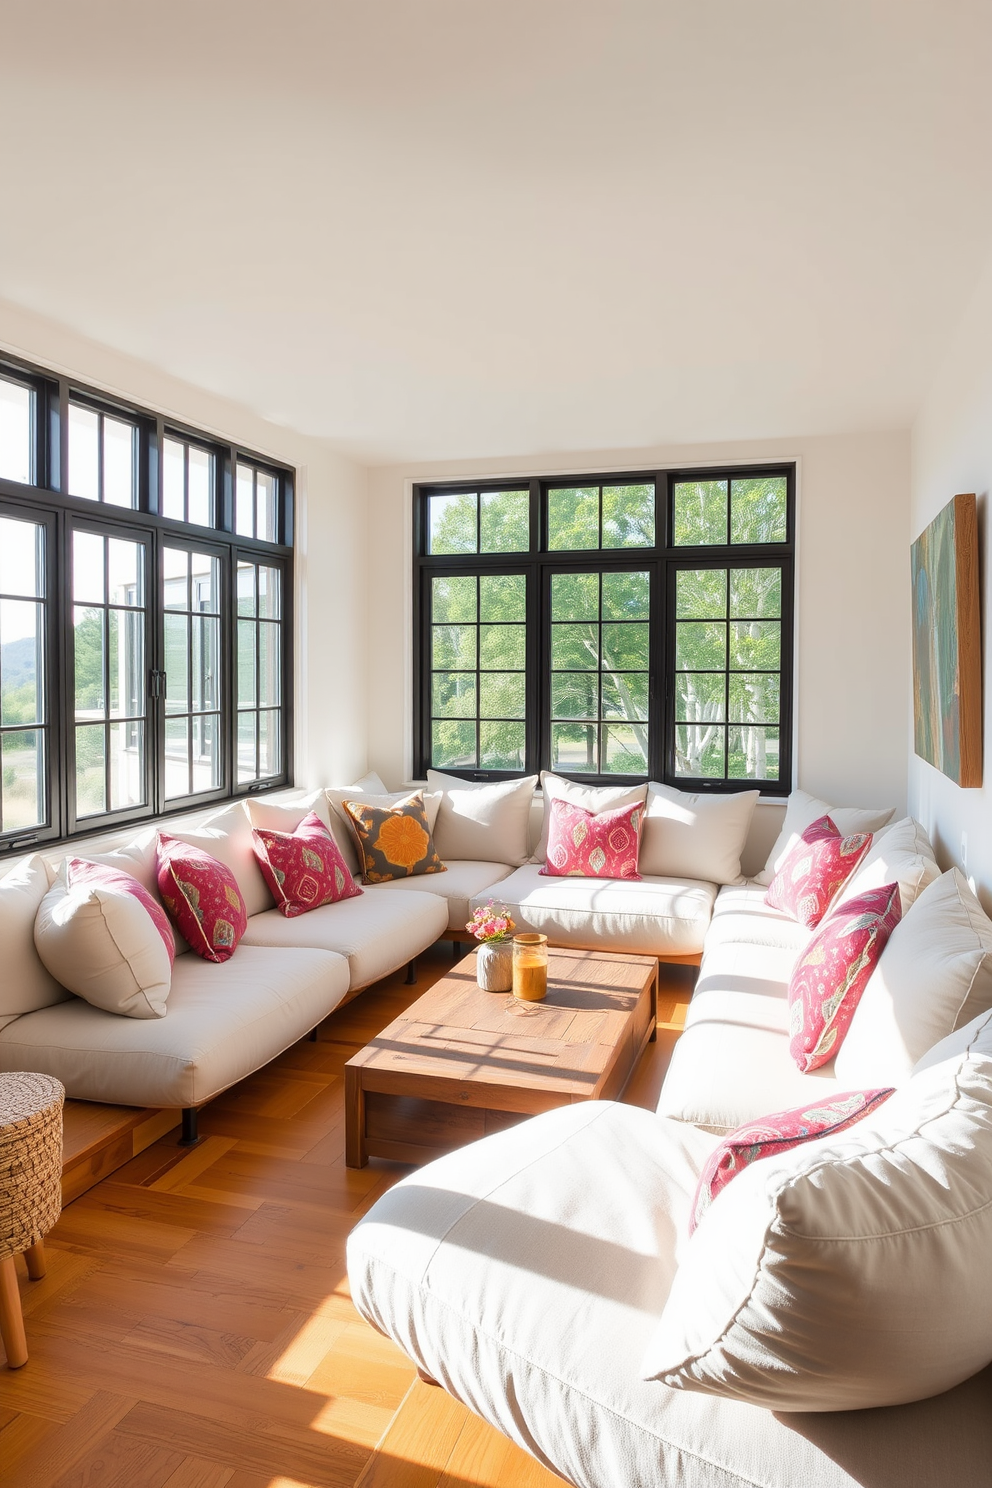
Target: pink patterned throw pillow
203, 898
815, 871
778, 1133
584, 845
304, 869
833, 971
100, 876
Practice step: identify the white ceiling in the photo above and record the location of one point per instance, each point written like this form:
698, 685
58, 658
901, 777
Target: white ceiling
451, 228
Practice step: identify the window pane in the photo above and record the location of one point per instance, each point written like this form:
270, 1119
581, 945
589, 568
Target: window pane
21, 661
700, 697
573, 748
628, 516
205, 573
573, 518
247, 753
88, 643
22, 798
626, 596
756, 593
454, 647
206, 752
84, 452
625, 695
701, 593
700, 512
244, 504
175, 567
455, 599
201, 487
88, 577
269, 668
700, 647
504, 522
699, 750
575, 596
501, 597
501, 695
265, 506
176, 662
574, 695
502, 647
625, 647
453, 745
754, 697
22, 563
91, 772
119, 441
270, 743
246, 588
758, 510
174, 483
176, 758
126, 662
453, 522
453, 695
756, 646
269, 593
246, 663
125, 572
16, 419
753, 754
574, 647
205, 663
502, 746
625, 751
127, 765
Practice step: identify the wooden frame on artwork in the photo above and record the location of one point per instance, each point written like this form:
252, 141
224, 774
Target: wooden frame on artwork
947, 643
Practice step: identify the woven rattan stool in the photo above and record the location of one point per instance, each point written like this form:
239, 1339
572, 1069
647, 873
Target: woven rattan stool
30, 1190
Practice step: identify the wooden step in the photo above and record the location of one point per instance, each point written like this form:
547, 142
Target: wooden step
98, 1139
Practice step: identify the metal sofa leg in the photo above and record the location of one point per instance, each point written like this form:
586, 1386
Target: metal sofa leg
411, 973
191, 1134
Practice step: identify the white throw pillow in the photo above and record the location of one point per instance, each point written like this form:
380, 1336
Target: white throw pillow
694, 836
934, 975
227, 837
485, 821
101, 942
285, 816
26, 984
802, 811
901, 854
850, 1272
342, 827
594, 798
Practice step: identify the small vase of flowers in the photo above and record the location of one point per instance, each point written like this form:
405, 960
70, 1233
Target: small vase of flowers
492, 927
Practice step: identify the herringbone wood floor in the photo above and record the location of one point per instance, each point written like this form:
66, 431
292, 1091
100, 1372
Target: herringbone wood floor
195, 1329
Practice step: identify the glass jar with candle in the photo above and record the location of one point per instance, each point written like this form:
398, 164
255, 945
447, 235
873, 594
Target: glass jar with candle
530, 967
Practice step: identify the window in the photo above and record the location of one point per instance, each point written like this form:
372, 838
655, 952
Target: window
612, 628
143, 600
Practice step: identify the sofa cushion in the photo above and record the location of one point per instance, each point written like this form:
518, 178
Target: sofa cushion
802, 810
462, 882
842, 1275
741, 914
482, 820
586, 844
227, 836
202, 898
593, 798
303, 868
652, 916
935, 975
901, 854
394, 841
815, 869
695, 836
26, 983
224, 1021
376, 933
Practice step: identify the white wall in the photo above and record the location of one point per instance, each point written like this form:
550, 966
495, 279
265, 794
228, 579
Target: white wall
330, 741
952, 452
852, 613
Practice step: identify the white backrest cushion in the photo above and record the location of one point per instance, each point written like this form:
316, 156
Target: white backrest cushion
26, 984
695, 836
482, 820
901, 854
140, 859
977, 1034
850, 1272
594, 798
274, 816
226, 836
934, 975
803, 810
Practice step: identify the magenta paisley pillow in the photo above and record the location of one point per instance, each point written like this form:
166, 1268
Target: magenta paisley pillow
584, 845
82, 871
833, 971
304, 869
203, 898
815, 871
778, 1133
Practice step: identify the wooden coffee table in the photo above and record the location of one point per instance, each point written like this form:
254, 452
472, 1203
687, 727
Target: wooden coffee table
461, 1063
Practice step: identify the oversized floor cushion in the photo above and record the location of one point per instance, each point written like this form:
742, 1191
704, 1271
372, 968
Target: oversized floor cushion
375, 932
649, 916
464, 880
740, 914
222, 1022
732, 1063
526, 1273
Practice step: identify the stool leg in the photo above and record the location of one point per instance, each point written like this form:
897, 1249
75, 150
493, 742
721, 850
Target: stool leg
11, 1320
35, 1258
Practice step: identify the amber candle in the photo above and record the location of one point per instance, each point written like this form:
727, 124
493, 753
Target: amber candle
530, 967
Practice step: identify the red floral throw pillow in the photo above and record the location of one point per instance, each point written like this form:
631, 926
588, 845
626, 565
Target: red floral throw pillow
304, 869
833, 971
815, 871
584, 845
203, 898
778, 1133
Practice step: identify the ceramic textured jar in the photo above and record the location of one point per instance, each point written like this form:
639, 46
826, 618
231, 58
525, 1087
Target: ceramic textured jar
494, 965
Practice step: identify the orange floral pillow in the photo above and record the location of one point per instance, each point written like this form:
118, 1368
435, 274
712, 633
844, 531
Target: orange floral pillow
394, 841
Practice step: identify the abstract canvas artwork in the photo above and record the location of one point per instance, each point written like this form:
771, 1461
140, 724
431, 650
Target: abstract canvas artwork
947, 662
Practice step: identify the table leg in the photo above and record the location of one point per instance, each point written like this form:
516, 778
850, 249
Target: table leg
35, 1258
11, 1319
355, 1155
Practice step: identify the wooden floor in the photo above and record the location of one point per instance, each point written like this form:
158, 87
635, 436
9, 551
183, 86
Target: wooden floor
195, 1329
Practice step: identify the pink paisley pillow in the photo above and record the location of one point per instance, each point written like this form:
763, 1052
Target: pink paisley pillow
203, 898
833, 971
778, 1133
815, 871
304, 869
582, 844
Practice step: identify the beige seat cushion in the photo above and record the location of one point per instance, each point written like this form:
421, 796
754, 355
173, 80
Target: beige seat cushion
464, 880
740, 914
223, 1021
652, 917
377, 932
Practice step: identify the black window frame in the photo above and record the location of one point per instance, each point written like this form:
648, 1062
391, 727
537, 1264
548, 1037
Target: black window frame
46, 499
663, 559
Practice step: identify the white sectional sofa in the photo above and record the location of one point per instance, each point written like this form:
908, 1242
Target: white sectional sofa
529, 1273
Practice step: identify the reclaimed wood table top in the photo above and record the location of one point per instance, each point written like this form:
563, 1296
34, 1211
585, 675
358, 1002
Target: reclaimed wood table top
457, 1036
